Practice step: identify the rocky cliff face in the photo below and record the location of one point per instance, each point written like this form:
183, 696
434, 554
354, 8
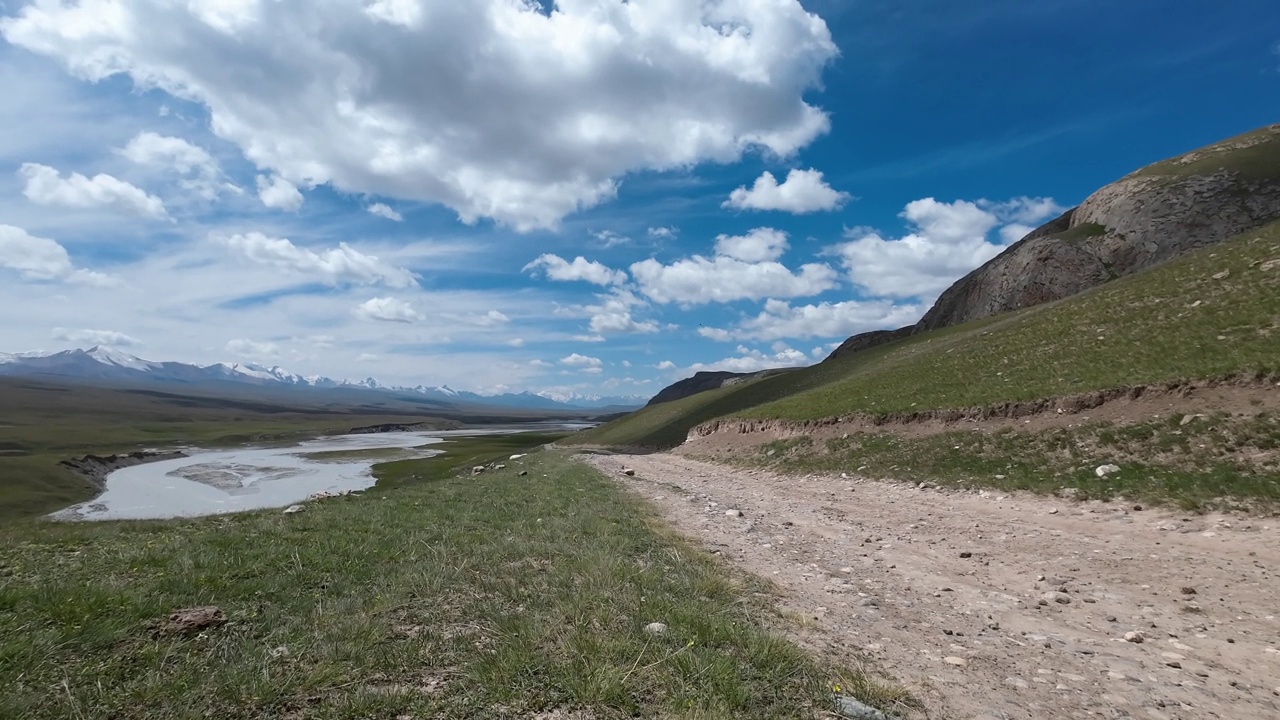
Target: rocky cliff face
1143, 219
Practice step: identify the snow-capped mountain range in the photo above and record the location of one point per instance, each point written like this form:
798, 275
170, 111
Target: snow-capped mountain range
106, 363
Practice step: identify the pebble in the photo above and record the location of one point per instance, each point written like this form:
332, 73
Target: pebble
1016, 682
953, 660
1134, 636
1059, 597
966, 555
733, 513
656, 628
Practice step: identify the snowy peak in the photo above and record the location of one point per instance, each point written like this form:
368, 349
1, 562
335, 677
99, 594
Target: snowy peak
581, 400
108, 363
263, 372
111, 356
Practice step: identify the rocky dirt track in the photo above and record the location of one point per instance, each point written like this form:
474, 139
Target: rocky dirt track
988, 606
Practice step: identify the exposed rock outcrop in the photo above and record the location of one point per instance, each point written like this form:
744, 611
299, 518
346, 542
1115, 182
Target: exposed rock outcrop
868, 340
1141, 220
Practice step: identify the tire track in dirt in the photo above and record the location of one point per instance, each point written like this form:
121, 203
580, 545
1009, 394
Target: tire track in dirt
988, 606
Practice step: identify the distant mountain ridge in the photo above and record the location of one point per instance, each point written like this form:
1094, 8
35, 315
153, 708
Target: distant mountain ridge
107, 363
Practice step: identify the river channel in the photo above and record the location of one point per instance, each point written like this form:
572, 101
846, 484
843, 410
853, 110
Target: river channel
213, 482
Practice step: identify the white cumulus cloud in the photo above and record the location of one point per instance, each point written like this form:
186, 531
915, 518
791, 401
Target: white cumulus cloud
384, 210
557, 268
45, 186
526, 115
199, 170
728, 276
803, 191
253, 350
37, 258
95, 337
493, 318
276, 192
613, 314
780, 319
758, 245
581, 361
343, 264
946, 240
387, 309
751, 360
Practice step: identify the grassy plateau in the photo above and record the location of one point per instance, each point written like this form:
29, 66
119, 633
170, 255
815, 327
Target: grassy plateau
433, 595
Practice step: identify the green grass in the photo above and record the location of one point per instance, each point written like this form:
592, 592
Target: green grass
432, 595
1219, 461
1137, 330
1083, 231
1141, 329
1258, 161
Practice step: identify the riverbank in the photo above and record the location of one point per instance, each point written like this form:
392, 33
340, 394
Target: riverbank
96, 468
526, 591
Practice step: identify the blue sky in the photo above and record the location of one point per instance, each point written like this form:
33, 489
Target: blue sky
402, 188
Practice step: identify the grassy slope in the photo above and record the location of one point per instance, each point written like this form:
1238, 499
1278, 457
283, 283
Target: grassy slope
1140, 329
433, 595
1256, 162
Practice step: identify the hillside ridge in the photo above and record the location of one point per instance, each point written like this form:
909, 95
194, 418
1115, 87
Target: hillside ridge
1150, 216
1147, 217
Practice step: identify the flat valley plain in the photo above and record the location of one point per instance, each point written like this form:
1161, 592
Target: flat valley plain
45, 422
523, 591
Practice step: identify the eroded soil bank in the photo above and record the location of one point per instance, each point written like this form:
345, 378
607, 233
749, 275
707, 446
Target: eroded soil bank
992, 606
1245, 394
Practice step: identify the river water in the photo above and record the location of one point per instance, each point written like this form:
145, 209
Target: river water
212, 482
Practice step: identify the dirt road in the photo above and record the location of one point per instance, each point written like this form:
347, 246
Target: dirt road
987, 606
